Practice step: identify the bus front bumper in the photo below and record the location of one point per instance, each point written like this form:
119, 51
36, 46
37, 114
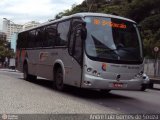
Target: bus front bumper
93, 82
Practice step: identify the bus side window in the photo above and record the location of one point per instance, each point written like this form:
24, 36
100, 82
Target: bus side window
19, 41
62, 35
22, 40
38, 39
51, 33
42, 36
31, 39
25, 40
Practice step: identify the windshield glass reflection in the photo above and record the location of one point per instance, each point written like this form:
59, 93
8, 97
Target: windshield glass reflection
113, 39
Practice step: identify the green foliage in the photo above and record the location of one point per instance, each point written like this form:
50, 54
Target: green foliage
117, 2
151, 33
139, 9
116, 9
4, 50
151, 23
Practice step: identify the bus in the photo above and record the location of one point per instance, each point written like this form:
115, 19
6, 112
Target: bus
86, 50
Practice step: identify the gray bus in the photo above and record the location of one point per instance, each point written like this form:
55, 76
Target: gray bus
86, 50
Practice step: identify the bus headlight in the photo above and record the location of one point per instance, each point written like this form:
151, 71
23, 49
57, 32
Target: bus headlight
89, 69
104, 67
95, 73
140, 74
98, 75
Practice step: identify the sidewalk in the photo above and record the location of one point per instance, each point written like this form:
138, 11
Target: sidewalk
153, 78
7, 69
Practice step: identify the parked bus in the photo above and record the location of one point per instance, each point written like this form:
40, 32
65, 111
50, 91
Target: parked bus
86, 50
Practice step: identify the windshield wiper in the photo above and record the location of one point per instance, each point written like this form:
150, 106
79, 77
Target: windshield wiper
106, 49
129, 51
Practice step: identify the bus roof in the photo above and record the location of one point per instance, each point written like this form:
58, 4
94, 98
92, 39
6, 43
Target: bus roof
83, 14
100, 15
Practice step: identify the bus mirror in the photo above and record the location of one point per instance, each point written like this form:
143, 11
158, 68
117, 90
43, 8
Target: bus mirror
78, 21
83, 33
141, 30
139, 27
81, 28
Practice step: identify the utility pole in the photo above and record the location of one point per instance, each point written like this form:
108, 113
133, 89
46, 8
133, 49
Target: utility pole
89, 4
156, 49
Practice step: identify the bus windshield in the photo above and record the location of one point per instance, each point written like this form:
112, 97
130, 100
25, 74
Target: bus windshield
112, 39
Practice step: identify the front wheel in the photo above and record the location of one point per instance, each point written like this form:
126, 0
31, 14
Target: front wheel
59, 79
105, 91
144, 87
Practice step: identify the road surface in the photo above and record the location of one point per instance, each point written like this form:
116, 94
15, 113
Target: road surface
25, 97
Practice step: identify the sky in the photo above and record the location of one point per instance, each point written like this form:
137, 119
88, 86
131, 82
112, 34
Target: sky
23, 11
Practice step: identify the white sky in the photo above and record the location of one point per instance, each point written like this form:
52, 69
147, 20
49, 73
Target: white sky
22, 11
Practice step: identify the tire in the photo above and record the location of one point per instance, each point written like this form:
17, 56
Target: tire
151, 85
59, 79
143, 88
105, 91
32, 77
25, 72
27, 76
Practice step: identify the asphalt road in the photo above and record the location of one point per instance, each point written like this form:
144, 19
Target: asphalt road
24, 97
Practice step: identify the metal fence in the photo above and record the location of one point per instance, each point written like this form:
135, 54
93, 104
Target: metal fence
152, 67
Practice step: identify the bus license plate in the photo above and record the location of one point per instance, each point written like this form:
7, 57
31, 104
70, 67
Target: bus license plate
118, 85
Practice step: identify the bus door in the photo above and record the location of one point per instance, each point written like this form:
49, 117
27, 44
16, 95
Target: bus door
76, 51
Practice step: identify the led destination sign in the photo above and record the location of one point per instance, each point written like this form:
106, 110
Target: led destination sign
109, 23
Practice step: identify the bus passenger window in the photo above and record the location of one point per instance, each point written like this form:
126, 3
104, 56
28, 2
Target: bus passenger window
31, 39
39, 37
63, 29
51, 32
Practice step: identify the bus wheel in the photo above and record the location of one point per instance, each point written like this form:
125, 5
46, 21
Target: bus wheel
27, 76
32, 77
144, 87
25, 72
59, 80
105, 91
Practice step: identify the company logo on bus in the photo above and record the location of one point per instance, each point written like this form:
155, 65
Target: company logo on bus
43, 56
104, 67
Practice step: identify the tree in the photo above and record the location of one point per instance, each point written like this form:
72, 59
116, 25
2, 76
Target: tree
129, 1
140, 9
93, 4
144, 12
5, 50
151, 23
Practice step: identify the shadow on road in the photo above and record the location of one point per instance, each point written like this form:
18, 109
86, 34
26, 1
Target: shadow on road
78, 92
156, 89
120, 101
